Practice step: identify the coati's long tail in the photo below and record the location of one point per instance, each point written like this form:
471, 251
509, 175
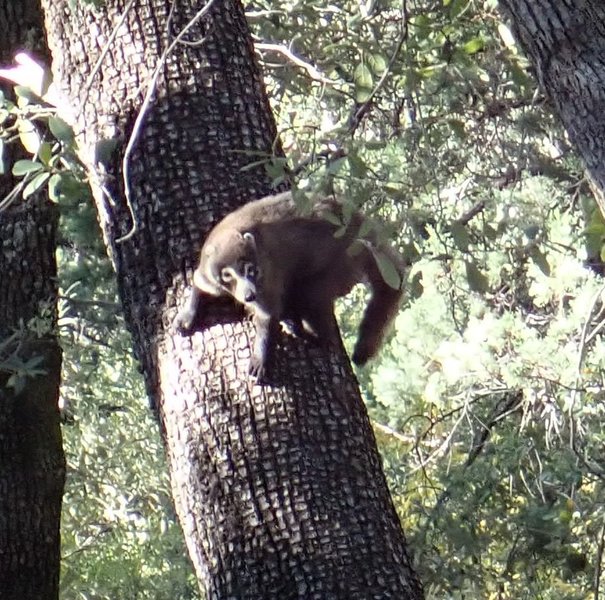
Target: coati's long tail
382, 307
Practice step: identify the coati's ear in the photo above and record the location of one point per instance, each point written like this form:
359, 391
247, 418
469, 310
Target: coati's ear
249, 239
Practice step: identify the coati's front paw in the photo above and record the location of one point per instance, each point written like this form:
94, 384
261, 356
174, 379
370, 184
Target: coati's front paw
257, 367
183, 322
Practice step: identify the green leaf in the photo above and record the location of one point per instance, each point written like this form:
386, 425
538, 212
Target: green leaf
387, 269
460, 236
519, 76
104, 150
276, 168
539, 259
23, 167
410, 253
28, 135
473, 46
477, 281
2, 164
332, 218
378, 63
336, 165
26, 94
458, 8
357, 167
45, 153
36, 183
54, 187
365, 228
61, 130
458, 127
362, 76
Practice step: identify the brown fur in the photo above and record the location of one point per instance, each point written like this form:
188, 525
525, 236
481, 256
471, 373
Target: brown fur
282, 264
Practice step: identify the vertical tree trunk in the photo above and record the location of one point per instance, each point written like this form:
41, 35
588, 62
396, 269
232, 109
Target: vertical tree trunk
32, 463
565, 41
279, 488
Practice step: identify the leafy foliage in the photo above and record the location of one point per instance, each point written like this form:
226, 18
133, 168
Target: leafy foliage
120, 536
487, 400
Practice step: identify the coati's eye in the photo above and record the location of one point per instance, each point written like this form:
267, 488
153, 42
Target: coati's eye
250, 271
226, 275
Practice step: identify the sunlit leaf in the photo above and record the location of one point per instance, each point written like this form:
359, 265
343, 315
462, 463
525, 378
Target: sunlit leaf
357, 166
61, 129
377, 62
477, 281
473, 46
387, 269
36, 183
539, 259
29, 136
362, 76
23, 167
45, 153
506, 35
460, 236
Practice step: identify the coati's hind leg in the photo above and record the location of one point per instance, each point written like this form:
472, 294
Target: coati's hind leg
310, 307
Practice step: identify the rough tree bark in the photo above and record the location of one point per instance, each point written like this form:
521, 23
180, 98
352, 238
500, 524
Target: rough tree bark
32, 463
279, 488
565, 41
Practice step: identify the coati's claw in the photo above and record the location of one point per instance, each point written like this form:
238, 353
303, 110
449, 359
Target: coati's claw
183, 322
257, 369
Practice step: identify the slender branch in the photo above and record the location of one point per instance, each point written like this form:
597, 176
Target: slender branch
313, 72
356, 118
470, 214
136, 130
97, 65
599, 567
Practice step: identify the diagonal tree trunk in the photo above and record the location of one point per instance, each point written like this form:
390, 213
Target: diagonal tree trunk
565, 41
32, 463
279, 488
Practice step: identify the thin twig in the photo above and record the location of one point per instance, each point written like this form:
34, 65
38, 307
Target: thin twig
142, 112
313, 72
97, 66
361, 111
599, 568
581, 355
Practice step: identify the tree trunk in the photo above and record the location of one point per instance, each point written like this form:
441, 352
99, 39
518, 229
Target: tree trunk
278, 488
32, 463
565, 41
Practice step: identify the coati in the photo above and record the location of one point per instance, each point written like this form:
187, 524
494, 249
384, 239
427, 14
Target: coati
282, 264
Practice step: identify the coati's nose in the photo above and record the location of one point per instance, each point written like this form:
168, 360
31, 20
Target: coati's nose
250, 297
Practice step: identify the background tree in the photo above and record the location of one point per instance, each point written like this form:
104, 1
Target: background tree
488, 401
270, 502
32, 463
